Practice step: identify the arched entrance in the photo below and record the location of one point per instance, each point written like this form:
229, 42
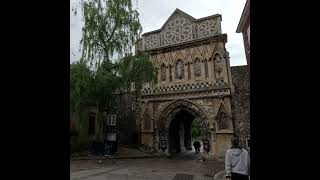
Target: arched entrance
180, 131
175, 126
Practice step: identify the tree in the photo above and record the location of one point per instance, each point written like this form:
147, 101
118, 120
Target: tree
105, 83
138, 69
80, 82
110, 26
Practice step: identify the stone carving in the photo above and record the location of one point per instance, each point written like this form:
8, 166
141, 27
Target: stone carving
197, 68
152, 41
223, 121
223, 118
218, 66
179, 29
207, 28
179, 70
163, 72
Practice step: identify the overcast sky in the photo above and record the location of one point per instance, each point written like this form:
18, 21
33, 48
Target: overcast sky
154, 13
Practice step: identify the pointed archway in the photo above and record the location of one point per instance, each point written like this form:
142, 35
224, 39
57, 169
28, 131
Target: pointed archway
169, 127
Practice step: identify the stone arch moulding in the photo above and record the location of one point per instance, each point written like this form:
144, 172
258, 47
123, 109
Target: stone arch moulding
197, 53
164, 118
217, 49
178, 55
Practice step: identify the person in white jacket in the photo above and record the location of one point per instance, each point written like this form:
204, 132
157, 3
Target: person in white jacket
237, 162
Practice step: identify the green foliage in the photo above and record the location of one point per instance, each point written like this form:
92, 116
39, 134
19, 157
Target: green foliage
80, 87
196, 130
109, 26
138, 69
105, 82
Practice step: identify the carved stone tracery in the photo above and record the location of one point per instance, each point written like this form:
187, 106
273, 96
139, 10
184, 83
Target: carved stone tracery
152, 41
182, 28
179, 29
207, 28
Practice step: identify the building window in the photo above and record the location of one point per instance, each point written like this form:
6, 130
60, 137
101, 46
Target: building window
133, 106
248, 34
206, 69
133, 87
92, 119
163, 72
111, 136
112, 120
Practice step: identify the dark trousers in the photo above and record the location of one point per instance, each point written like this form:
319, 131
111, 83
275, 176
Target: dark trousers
236, 176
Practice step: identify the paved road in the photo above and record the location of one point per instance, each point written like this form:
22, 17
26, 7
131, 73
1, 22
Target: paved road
142, 169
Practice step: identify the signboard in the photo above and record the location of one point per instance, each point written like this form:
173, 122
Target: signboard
163, 143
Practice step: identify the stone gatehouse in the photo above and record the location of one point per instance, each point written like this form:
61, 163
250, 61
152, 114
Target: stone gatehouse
194, 83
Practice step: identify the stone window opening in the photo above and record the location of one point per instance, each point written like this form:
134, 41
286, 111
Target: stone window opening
163, 72
112, 120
